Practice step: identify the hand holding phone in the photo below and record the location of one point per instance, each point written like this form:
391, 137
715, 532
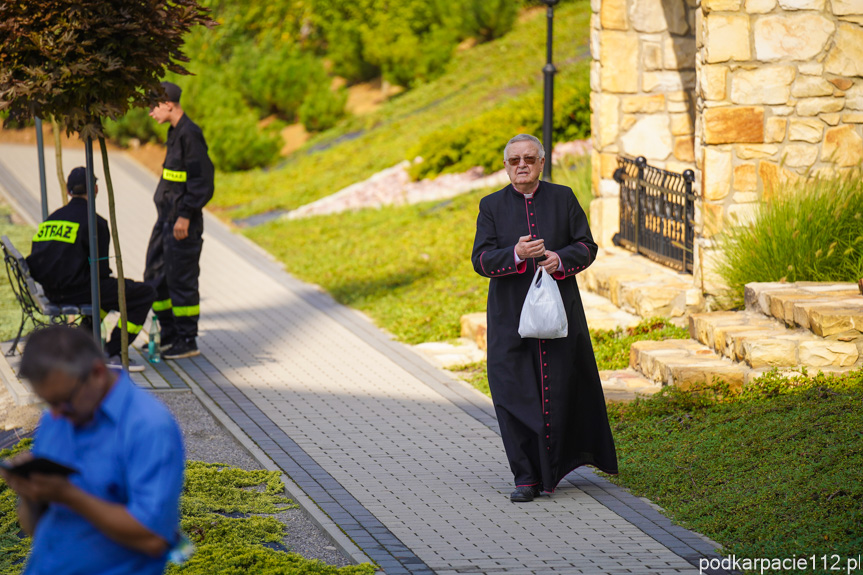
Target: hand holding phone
37, 465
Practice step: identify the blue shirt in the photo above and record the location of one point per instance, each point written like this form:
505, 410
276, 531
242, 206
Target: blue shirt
131, 453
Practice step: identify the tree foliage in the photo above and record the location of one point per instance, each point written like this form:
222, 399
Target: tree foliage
83, 60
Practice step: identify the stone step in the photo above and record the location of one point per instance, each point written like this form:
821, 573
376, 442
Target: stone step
474, 327
829, 310
684, 363
627, 381
760, 341
639, 286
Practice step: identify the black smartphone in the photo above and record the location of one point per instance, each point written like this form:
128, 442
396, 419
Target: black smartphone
38, 465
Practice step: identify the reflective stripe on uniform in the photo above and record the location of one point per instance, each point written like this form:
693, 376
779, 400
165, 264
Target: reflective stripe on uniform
162, 305
57, 231
173, 176
187, 310
133, 328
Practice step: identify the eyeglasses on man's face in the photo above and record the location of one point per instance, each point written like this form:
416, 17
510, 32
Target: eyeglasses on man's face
516, 160
65, 406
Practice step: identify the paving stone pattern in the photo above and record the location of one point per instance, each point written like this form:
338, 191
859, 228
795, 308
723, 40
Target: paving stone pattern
407, 462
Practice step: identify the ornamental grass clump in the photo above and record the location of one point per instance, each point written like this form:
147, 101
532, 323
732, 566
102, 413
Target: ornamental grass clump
810, 231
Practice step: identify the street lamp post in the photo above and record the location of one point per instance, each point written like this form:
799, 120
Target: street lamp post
548, 112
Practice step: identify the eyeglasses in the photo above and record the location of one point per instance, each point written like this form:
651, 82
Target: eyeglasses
66, 404
529, 160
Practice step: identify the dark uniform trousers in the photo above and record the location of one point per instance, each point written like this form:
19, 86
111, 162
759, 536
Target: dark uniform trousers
173, 267
139, 298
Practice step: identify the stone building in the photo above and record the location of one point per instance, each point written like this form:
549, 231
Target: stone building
748, 93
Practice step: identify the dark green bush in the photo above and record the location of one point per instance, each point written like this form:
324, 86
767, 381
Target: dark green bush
812, 231
322, 108
480, 142
280, 78
488, 20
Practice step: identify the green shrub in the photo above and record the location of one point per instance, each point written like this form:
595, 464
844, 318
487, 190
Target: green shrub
480, 141
812, 231
280, 79
322, 108
136, 124
488, 20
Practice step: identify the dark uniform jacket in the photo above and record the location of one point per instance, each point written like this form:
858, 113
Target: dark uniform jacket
59, 258
187, 174
547, 392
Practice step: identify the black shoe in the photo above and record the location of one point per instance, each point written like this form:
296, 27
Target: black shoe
182, 348
524, 493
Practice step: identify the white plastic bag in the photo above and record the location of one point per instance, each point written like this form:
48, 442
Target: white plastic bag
543, 315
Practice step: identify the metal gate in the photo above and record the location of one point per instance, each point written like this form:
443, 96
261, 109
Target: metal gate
657, 212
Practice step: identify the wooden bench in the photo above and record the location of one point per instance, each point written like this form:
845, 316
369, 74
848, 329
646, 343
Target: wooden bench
34, 305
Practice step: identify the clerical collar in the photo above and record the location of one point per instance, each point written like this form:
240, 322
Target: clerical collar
530, 195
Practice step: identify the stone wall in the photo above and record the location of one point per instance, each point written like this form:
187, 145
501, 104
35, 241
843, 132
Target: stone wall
642, 93
780, 97
750, 93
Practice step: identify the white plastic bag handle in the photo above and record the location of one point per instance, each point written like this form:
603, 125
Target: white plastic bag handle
543, 315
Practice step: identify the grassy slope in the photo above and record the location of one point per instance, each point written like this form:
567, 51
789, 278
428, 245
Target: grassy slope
477, 80
10, 311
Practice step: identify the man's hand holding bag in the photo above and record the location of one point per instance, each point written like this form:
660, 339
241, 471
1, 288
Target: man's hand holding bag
543, 315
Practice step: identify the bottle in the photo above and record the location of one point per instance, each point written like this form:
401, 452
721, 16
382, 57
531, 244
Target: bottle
154, 355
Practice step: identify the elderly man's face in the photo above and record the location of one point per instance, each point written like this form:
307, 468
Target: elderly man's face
524, 173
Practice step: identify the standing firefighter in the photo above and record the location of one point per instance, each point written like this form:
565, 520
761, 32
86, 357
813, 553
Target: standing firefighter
174, 252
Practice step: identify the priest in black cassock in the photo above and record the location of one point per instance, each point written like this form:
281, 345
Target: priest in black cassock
546, 392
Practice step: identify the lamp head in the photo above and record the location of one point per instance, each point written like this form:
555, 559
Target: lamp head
550, 3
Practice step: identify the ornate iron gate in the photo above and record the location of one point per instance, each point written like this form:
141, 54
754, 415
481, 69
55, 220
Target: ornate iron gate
657, 212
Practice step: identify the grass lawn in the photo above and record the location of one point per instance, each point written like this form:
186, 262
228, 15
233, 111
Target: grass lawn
773, 472
477, 80
10, 311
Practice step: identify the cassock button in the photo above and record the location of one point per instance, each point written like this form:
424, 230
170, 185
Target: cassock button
546, 401
534, 225
548, 425
543, 353
545, 365
547, 436
546, 413
546, 377
546, 389
534, 235
531, 213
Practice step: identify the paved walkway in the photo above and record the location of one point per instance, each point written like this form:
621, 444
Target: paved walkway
403, 459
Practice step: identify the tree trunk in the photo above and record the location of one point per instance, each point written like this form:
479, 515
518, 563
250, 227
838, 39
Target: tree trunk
121, 278
58, 156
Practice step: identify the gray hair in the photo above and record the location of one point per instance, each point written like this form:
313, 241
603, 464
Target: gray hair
59, 348
524, 138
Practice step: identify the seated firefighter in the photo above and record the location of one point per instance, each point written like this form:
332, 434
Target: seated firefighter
59, 260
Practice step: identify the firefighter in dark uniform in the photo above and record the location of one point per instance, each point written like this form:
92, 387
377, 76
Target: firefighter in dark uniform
174, 252
60, 261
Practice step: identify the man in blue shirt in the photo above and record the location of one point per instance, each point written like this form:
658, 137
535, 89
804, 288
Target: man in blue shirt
120, 513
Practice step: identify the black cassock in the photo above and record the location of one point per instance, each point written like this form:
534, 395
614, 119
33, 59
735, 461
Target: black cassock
547, 393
